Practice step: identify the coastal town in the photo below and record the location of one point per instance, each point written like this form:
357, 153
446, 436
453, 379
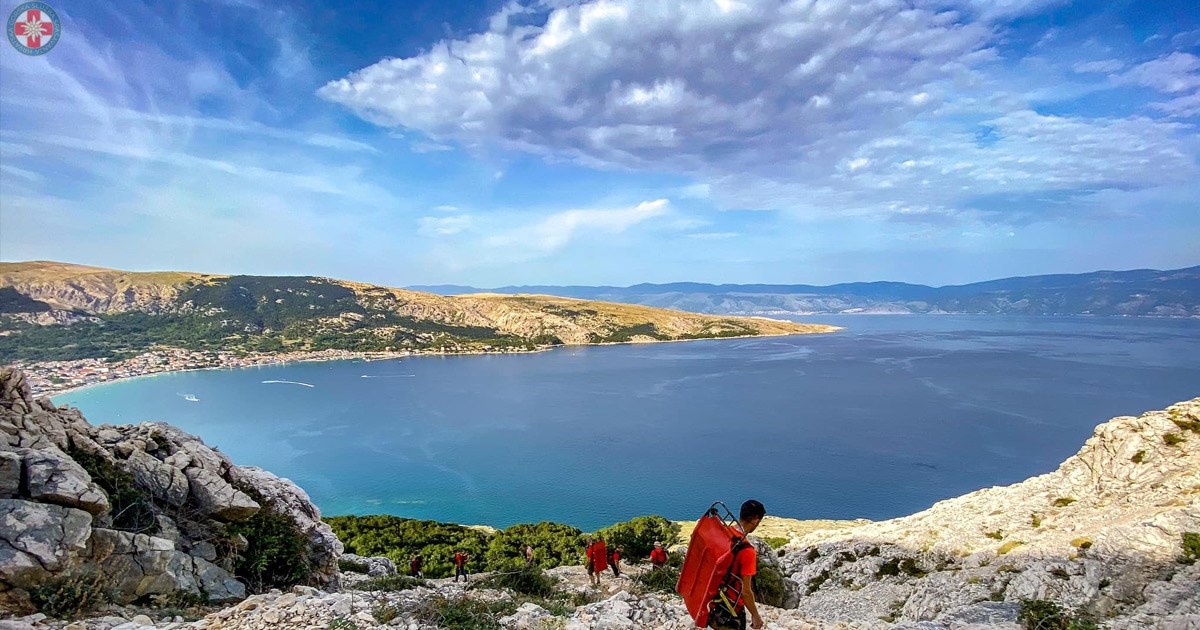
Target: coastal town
47, 378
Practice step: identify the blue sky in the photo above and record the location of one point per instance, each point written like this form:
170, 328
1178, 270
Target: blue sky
607, 142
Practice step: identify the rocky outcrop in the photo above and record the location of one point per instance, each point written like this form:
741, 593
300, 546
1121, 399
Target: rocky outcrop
148, 508
1100, 536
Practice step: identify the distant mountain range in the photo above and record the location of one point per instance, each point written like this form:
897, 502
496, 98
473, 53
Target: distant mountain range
1137, 293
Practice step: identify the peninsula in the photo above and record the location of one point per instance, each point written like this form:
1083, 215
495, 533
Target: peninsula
69, 325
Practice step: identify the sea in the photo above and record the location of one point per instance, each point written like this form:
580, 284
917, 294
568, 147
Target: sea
879, 420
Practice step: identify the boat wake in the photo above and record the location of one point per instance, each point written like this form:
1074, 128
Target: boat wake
290, 383
188, 397
387, 376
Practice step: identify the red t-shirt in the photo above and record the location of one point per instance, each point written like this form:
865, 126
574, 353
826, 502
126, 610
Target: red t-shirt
658, 556
745, 564
460, 559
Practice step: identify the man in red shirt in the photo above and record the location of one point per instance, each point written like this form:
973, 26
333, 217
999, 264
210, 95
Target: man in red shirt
658, 557
745, 562
460, 564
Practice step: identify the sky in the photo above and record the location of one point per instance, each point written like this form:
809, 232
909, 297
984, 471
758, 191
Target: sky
492, 143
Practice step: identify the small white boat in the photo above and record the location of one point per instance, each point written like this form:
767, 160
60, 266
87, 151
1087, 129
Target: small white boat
191, 398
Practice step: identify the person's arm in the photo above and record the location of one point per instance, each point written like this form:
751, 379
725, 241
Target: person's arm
748, 596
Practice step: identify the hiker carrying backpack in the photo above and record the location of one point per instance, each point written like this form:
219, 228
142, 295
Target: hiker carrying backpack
716, 580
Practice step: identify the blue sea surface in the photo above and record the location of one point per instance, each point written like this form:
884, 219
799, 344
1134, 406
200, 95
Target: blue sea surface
880, 420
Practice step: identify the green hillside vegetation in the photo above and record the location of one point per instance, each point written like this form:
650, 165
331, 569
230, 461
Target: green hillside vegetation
554, 544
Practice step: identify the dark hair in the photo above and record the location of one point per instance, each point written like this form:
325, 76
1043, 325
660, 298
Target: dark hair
752, 509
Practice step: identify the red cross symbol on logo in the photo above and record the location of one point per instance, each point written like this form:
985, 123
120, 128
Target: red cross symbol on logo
33, 26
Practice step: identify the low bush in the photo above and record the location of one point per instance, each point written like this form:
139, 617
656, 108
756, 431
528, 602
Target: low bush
658, 580
769, 586
522, 578
1173, 439
776, 542
1138, 457
1191, 548
69, 595
637, 535
131, 507
812, 554
1082, 543
1063, 501
1041, 614
391, 583
464, 613
1035, 519
276, 553
385, 613
998, 535
553, 545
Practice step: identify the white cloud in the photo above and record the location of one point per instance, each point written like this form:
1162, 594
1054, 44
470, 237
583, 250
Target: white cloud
713, 236
837, 107
1174, 73
1103, 66
555, 231
445, 226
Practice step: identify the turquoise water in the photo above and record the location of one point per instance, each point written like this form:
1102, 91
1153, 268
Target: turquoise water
880, 420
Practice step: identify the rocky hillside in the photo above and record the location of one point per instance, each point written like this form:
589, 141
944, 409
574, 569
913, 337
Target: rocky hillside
143, 513
62, 311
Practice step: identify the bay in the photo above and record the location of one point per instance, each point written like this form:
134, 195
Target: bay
879, 420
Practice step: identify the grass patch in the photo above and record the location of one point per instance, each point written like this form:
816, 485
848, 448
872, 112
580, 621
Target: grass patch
1082, 543
658, 580
769, 586
1009, 546
1063, 501
1173, 439
1138, 457
464, 613
776, 542
69, 595
998, 535
1035, 519
1042, 614
385, 613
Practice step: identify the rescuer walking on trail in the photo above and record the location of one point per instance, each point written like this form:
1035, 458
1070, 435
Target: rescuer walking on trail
460, 564
598, 559
416, 566
658, 557
745, 562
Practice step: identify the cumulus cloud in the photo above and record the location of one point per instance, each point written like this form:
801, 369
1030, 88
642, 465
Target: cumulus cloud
1176, 74
445, 226
829, 107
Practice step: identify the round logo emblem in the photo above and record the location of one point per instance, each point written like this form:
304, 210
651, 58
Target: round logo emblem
33, 28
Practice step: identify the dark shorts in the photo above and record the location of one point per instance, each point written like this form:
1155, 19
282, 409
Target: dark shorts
591, 567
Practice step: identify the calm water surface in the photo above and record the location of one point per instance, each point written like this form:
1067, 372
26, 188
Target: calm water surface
880, 420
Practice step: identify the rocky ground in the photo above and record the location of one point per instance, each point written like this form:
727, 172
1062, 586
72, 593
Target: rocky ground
1101, 537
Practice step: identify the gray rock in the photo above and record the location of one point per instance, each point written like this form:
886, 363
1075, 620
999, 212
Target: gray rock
163, 481
37, 539
51, 476
213, 495
10, 474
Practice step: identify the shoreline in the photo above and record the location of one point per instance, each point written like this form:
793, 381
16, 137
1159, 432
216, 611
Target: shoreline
315, 356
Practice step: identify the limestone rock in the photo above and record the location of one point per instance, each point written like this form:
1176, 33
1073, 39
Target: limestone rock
213, 495
51, 476
165, 482
37, 539
377, 566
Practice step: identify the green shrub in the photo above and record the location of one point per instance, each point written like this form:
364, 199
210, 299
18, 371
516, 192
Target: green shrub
815, 582
659, 580
1035, 519
1185, 423
776, 542
1191, 548
553, 545
352, 566
68, 595
637, 535
342, 623
1173, 439
896, 566
1041, 614
1138, 457
769, 586
998, 535
276, 553
1082, 543
1063, 501
463, 613
812, 554
401, 538
131, 507
522, 578
391, 583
